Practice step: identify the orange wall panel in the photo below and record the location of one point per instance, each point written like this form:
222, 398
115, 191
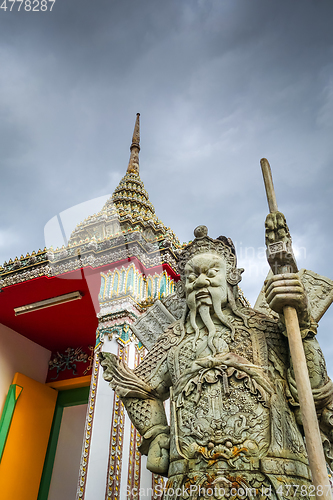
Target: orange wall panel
23, 458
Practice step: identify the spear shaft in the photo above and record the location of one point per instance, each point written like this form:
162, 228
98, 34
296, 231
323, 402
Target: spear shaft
314, 445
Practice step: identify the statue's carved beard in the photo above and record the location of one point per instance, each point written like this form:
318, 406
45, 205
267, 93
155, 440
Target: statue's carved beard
204, 310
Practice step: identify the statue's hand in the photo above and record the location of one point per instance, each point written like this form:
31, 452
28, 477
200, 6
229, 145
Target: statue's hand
276, 228
158, 455
287, 290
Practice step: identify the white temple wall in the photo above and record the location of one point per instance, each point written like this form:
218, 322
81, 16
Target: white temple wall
125, 457
97, 472
100, 438
146, 480
19, 354
131, 355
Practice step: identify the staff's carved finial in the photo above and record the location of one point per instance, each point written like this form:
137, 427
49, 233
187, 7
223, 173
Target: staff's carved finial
133, 164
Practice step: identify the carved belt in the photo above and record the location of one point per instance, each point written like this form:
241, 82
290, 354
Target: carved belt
268, 465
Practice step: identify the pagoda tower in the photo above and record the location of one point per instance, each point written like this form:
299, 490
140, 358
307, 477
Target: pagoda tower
135, 254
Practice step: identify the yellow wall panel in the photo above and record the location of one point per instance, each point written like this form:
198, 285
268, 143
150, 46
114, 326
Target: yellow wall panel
23, 457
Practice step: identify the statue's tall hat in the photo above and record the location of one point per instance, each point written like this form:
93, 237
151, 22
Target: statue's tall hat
222, 246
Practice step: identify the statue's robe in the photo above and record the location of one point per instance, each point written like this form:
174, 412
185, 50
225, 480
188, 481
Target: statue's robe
235, 422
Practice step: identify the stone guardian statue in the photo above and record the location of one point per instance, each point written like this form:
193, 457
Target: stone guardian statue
235, 427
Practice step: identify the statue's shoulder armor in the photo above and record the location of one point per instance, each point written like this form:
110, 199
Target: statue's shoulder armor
156, 356
171, 336
277, 344
261, 321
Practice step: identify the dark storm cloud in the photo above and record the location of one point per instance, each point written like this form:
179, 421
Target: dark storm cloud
218, 84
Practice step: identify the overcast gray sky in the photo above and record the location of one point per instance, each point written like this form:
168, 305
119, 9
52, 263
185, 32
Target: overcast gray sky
219, 84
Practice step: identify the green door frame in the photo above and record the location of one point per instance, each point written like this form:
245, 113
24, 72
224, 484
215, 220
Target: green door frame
7, 414
71, 397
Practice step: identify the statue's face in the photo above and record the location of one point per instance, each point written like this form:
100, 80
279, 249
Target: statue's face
206, 280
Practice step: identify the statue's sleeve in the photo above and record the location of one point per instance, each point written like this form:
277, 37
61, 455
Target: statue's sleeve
321, 384
322, 390
142, 391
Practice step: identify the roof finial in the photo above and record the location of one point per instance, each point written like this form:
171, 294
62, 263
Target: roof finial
133, 164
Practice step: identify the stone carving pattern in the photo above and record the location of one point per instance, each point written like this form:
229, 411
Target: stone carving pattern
152, 324
319, 291
175, 305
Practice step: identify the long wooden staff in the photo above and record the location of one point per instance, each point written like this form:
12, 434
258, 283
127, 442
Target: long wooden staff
309, 417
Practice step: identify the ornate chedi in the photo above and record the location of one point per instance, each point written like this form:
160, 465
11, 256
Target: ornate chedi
136, 256
128, 210
235, 429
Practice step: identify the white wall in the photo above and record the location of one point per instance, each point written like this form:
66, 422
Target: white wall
97, 471
19, 354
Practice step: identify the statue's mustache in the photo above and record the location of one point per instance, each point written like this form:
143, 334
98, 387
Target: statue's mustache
195, 294
193, 298
216, 295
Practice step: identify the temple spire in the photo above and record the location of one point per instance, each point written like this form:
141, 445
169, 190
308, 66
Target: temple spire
128, 209
133, 164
